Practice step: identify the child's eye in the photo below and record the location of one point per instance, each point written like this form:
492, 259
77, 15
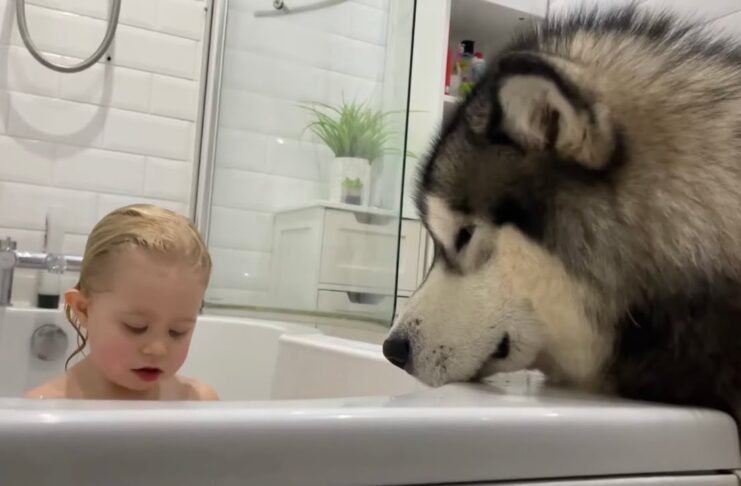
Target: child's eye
135, 329
177, 334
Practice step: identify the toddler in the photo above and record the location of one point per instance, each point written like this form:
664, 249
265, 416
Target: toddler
143, 278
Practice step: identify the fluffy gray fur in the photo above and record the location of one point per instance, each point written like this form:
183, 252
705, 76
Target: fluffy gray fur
634, 188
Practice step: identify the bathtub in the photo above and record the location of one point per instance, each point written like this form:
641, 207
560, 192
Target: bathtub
243, 359
303, 408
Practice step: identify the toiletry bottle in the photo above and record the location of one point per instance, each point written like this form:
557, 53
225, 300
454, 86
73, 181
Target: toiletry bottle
478, 66
455, 75
465, 67
466, 58
448, 70
50, 281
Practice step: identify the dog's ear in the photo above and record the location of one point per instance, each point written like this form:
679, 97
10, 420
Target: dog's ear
538, 108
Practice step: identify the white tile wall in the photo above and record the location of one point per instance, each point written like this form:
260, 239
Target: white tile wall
292, 81
55, 32
291, 41
141, 133
118, 133
353, 20
24, 206
269, 115
156, 52
30, 161
168, 179
3, 111
180, 18
108, 202
108, 171
173, 97
241, 270
25, 74
239, 229
106, 85
54, 120
265, 159
77, 36
123, 131
262, 192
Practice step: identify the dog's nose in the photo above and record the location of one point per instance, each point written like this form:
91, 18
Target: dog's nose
503, 348
397, 350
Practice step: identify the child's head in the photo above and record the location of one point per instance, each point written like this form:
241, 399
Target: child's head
144, 274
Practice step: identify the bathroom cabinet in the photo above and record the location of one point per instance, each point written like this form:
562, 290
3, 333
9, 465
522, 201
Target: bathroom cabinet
341, 259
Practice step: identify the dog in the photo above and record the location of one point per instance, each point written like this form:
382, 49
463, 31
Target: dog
585, 207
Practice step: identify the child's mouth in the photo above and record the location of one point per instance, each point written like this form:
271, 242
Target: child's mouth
147, 374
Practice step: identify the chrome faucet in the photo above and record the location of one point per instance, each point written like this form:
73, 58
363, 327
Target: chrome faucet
11, 258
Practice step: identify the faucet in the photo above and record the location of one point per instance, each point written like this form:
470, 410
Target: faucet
11, 258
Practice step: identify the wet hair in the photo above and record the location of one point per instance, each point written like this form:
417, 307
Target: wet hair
143, 226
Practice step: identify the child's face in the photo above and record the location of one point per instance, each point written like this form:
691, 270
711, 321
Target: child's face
139, 330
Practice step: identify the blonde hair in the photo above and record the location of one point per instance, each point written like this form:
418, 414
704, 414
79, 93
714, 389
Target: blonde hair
142, 226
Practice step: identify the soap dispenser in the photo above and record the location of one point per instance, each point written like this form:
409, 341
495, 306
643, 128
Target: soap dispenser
50, 280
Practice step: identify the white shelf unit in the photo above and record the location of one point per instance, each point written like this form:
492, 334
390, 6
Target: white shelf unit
439, 25
340, 259
491, 25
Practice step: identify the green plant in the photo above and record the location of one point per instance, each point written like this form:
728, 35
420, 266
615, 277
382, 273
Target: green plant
351, 129
352, 183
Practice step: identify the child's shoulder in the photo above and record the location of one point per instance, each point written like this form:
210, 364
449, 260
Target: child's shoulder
54, 389
192, 389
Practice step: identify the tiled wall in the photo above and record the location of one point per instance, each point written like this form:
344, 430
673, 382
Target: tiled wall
121, 132
264, 159
124, 131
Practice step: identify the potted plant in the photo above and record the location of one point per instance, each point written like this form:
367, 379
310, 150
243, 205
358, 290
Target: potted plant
357, 135
352, 191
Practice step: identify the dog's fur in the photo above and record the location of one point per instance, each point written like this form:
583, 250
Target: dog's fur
585, 203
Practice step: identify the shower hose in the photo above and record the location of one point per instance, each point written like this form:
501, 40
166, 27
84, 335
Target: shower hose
109, 34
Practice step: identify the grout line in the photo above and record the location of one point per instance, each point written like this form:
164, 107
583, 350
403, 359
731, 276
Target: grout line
92, 193
121, 22
114, 63
298, 61
89, 146
91, 103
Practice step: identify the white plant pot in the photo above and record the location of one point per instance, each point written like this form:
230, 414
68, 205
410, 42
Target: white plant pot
352, 168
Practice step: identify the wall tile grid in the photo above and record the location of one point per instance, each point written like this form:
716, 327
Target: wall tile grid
121, 132
265, 160
124, 131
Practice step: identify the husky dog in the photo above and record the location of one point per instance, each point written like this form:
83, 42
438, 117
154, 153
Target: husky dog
585, 204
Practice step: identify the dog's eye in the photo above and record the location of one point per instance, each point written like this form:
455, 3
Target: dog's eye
463, 237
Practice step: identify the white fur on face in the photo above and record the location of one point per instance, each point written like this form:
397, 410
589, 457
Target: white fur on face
443, 222
455, 322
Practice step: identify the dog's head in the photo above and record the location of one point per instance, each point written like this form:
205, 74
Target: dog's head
498, 297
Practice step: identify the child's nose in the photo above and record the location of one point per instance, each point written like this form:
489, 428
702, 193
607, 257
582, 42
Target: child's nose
154, 348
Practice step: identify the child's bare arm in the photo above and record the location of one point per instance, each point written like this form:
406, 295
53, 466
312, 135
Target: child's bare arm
50, 390
205, 392
198, 390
